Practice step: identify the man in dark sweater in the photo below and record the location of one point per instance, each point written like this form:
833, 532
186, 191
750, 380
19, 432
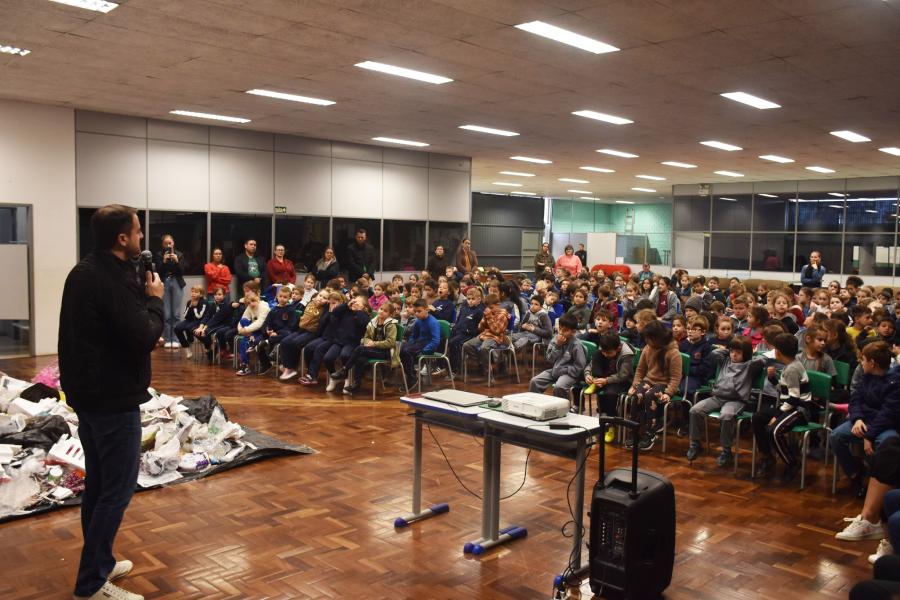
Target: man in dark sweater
110, 321
247, 267
360, 257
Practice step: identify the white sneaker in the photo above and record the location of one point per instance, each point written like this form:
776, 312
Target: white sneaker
884, 549
332, 384
172, 345
287, 374
122, 568
110, 591
860, 529
188, 354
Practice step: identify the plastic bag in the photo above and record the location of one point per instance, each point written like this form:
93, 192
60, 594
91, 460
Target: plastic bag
21, 491
202, 408
163, 459
40, 432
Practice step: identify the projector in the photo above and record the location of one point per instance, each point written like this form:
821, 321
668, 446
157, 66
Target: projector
535, 406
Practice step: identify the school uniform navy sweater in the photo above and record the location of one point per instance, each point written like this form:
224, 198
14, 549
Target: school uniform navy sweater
466, 325
281, 319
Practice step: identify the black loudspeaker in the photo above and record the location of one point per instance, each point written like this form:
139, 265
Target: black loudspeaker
632, 528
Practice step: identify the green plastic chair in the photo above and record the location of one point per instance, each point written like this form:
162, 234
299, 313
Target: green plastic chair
590, 348
685, 370
374, 362
441, 355
820, 387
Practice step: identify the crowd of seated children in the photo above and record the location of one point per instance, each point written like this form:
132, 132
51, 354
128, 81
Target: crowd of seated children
340, 331
307, 328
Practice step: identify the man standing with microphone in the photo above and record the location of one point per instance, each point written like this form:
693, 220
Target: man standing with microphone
110, 321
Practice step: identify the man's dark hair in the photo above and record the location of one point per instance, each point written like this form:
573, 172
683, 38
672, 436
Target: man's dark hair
361, 230
787, 344
610, 341
568, 321
109, 222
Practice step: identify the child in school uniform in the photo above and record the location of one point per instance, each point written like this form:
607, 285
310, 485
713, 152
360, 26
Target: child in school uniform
280, 323
195, 312
443, 308
465, 327
249, 329
535, 327
492, 333
723, 335
698, 348
379, 342
608, 375
568, 357
217, 317
795, 406
730, 395
580, 310
307, 331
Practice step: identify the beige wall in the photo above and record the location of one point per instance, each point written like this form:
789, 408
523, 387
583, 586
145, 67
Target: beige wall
37, 167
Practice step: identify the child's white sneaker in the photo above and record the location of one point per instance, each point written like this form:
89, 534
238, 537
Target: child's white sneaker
860, 529
332, 384
287, 374
884, 549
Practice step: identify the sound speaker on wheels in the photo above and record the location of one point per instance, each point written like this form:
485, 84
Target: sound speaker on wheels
632, 528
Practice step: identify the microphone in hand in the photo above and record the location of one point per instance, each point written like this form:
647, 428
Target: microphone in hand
147, 261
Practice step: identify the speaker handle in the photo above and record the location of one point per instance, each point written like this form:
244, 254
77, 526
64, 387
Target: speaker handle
621, 422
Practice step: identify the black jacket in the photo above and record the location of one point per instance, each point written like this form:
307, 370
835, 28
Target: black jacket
360, 260
168, 269
218, 315
437, 265
107, 328
351, 325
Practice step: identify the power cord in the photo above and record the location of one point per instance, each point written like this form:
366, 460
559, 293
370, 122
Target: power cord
460, 481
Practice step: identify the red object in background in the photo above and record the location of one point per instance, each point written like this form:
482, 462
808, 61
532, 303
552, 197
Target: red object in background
625, 270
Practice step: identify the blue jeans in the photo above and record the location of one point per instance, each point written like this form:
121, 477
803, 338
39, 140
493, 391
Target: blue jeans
841, 438
112, 449
171, 308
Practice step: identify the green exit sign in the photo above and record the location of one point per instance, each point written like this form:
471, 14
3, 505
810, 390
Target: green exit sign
281, 210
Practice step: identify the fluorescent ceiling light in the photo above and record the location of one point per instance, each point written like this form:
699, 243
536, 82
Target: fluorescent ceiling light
728, 199
891, 150
200, 115
579, 191
680, 165
540, 161
588, 198
96, 5
836, 194
721, 145
651, 177
391, 140
768, 195
523, 194
776, 158
290, 97
570, 180
403, 72
640, 189
567, 37
506, 183
835, 206
597, 169
729, 174
490, 130
14, 50
517, 174
820, 169
624, 202
599, 116
869, 210
618, 153
750, 100
850, 136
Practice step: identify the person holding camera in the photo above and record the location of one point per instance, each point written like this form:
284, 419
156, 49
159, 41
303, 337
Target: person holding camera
110, 318
170, 265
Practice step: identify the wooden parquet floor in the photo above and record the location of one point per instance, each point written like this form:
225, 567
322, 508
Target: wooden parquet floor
321, 526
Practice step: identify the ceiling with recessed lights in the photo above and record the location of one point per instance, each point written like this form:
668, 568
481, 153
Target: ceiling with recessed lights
831, 66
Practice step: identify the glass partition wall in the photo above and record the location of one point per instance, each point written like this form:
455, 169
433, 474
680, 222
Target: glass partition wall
771, 227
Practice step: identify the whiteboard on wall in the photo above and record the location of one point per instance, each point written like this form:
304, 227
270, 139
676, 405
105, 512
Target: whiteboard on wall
14, 302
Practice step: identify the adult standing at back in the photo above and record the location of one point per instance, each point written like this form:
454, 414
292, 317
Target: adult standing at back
581, 253
360, 257
170, 265
247, 267
438, 263
812, 273
466, 259
569, 261
217, 274
110, 320
280, 269
542, 261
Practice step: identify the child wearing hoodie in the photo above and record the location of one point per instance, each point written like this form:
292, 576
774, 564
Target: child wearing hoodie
730, 395
608, 375
569, 358
536, 327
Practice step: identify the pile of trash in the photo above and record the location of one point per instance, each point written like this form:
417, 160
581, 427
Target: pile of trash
42, 461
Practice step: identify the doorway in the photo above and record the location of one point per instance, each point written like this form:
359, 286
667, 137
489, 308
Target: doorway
15, 303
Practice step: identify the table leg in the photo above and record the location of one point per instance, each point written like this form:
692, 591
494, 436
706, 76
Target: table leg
417, 513
581, 467
496, 536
